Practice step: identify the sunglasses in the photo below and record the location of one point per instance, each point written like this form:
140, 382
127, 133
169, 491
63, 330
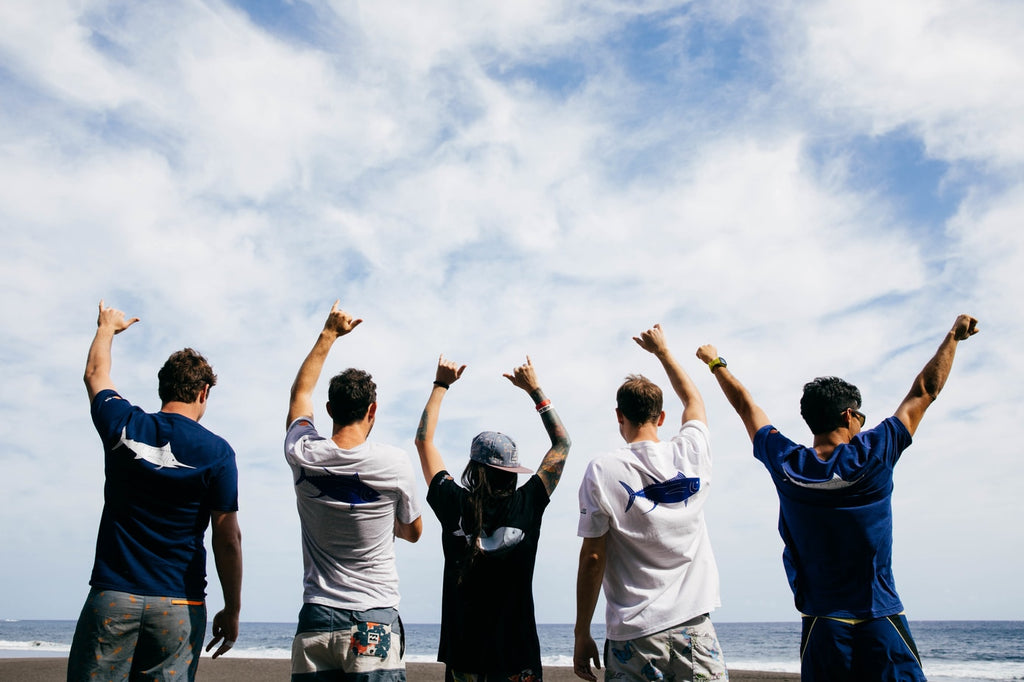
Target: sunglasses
861, 417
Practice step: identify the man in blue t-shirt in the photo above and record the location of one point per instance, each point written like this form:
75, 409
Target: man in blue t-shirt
835, 516
167, 478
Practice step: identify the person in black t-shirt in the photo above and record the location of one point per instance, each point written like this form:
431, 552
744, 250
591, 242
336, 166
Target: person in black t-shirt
489, 536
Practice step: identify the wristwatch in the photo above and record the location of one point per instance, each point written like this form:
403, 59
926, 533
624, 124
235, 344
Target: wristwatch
716, 363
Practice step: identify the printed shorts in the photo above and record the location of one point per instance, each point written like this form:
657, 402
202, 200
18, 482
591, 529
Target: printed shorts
123, 636
528, 675
879, 649
688, 651
348, 646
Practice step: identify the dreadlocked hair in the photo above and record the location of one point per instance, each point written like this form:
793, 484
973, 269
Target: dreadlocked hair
485, 485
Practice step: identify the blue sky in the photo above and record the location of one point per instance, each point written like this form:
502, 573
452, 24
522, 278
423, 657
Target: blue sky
816, 188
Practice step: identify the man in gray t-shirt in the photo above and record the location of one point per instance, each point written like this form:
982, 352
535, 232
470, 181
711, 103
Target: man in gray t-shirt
353, 498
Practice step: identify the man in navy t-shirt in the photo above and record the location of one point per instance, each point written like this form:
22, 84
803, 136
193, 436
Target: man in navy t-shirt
167, 478
835, 516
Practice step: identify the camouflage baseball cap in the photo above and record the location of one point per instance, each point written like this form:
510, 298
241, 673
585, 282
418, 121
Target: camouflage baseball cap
497, 450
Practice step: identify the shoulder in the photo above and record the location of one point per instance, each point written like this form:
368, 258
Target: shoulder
614, 459
693, 435
769, 443
693, 427
443, 488
887, 440
108, 400
384, 449
387, 457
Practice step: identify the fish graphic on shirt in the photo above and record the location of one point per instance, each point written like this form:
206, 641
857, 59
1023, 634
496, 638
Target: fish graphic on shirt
338, 487
161, 457
676, 489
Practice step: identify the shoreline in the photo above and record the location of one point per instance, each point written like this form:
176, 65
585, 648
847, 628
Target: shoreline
46, 669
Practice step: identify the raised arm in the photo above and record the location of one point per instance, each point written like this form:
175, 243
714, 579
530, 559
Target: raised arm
97, 365
300, 403
753, 416
550, 470
593, 557
227, 553
653, 341
931, 379
448, 373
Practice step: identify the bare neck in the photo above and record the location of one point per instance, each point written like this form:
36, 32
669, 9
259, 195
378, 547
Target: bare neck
826, 443
351, 435
636, 434
193, 411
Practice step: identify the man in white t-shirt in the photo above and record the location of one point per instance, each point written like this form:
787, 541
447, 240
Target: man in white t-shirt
354, 498
644, 537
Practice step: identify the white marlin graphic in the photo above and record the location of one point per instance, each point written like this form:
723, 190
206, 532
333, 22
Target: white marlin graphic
161, 457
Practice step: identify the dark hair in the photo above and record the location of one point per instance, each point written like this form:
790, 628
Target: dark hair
183, 376
824, 400
350, 395
639, 399
485, 485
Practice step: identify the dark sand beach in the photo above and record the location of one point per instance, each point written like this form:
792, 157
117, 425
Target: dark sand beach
260, 669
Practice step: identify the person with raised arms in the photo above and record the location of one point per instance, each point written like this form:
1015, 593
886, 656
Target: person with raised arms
167, 480
645, 539
354, 497
835, 516
489, 534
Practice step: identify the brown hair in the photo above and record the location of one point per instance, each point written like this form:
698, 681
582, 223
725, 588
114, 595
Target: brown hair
183, 376
639, 399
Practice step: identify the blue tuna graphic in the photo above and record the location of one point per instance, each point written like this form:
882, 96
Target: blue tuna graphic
677, 489
341, 488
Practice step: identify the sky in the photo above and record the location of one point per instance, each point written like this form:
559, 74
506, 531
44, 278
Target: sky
817, 188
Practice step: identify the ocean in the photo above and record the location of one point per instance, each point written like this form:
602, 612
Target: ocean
952, 651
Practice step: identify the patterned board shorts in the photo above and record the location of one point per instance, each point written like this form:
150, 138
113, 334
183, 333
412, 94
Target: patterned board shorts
688, 651
123, 636
336, 644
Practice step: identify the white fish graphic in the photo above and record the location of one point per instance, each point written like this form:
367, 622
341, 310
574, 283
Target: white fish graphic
162, 456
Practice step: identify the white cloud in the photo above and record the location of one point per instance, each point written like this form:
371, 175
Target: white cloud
226, 185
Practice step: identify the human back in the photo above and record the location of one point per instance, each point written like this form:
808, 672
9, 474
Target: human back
164, 475
650, 497
354, 498
347, 500
490, 532
167, 479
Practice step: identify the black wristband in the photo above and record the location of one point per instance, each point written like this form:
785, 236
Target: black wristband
443, 385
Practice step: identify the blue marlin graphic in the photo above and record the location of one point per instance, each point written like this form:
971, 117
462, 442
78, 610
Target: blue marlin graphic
677, 489
341, 488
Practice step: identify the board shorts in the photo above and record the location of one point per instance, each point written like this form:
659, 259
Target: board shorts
337, 644
122, 636
845, 650
688, 651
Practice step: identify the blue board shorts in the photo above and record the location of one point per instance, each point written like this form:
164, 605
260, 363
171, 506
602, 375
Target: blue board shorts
122, 636
842, 650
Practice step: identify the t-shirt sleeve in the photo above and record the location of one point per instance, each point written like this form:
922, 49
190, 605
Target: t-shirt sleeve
223, 492
443, 496
889, 439
539, 498
300, 430
110, 413
762, 443
408, 509
594, 519
695, 441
